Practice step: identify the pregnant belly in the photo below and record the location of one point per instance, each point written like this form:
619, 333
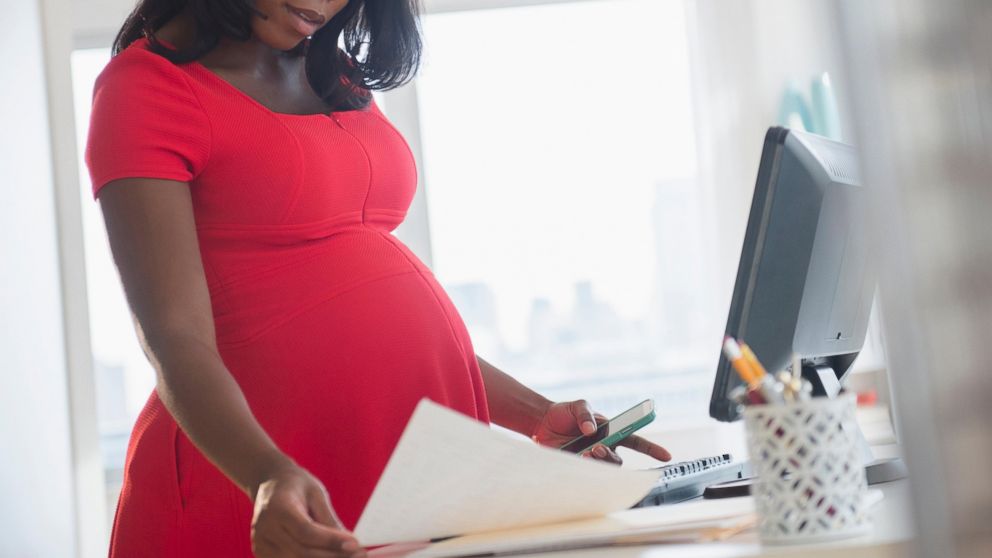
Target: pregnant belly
262, 285
333, 353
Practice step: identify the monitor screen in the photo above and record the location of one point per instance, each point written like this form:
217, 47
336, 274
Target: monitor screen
805, 281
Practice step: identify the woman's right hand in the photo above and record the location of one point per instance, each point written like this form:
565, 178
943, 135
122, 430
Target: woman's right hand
293, 518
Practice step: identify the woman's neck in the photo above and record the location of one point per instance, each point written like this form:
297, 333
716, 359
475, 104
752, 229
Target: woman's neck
250, 57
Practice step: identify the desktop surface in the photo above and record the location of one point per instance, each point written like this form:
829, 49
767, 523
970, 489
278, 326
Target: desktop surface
890, 536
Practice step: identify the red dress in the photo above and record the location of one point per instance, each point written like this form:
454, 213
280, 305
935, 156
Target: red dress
332, 327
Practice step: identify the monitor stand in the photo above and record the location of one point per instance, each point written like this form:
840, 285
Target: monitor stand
826, 381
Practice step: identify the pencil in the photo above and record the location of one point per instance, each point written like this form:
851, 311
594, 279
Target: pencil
772, 391
759, 370
744, 369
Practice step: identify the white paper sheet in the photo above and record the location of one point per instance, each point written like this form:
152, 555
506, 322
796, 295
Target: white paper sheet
452, 475
687, 522
694, 521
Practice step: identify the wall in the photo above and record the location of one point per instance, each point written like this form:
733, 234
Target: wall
36, 476
743, 54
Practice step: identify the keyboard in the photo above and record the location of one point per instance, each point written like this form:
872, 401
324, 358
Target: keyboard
688, 479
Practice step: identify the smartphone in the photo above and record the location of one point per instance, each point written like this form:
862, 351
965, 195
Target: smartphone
615, 429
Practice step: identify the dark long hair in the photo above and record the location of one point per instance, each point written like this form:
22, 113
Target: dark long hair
388, 30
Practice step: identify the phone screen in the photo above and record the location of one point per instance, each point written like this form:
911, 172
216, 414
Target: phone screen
614, 425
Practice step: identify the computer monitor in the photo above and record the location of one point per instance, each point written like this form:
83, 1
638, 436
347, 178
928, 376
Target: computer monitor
806, 281
806, 278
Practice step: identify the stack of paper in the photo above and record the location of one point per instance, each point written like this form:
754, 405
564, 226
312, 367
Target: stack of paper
452, 475
689, 522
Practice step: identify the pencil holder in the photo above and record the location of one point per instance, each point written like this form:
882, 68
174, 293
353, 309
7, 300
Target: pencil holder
810, 483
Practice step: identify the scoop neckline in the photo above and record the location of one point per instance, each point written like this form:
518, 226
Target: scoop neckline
246, 96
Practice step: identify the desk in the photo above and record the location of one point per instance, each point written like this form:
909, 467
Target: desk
890, 537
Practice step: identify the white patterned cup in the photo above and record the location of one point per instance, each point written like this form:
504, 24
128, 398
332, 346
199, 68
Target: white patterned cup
810, 483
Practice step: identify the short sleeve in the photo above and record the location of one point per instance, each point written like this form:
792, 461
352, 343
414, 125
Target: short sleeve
145, 122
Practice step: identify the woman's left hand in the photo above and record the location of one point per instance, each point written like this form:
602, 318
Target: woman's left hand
564, 421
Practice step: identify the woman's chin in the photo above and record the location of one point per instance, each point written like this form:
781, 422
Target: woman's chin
295, 47
286, 41
286, 46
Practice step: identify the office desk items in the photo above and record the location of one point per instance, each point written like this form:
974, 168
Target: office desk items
794, 110
760, 386
772, 390
748, 391
729, 489
816, 113
810, 484
452, 475
614, 430
743, 368
703, 524
805, 279
689, 479
689, 522
826, 116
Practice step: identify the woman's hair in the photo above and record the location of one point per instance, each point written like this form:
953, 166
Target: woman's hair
388, 29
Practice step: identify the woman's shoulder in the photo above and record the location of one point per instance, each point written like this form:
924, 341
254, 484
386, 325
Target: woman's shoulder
137, 81
136, 65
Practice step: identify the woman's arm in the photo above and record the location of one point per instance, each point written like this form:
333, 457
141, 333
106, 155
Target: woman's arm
511, 404
521, 409
152, 235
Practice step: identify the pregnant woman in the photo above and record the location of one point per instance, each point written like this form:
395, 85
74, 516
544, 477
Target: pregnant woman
249, 184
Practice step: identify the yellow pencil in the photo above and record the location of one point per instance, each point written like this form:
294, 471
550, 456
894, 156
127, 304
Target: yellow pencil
759, 370
733, 352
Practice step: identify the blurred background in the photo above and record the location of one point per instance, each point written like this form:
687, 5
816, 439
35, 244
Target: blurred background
585, 174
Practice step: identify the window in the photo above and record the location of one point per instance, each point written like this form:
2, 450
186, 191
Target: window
124, 378
565, 218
